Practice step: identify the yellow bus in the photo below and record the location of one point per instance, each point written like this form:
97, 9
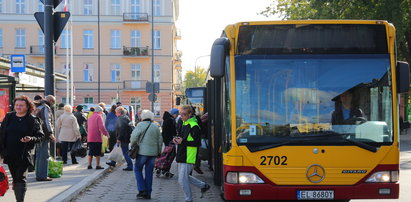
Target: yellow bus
306, 110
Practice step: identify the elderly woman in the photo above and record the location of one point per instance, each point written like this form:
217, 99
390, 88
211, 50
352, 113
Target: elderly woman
68, 132
123, 131
148, 136
94, 140
19, 132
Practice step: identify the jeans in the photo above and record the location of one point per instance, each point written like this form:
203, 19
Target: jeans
64, 149
124, 148
144, 183
185, 179
42, 155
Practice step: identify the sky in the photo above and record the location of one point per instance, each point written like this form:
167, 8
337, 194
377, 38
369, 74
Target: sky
202, 21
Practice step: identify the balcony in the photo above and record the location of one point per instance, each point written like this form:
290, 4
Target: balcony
37, 50
135, 17
135, 51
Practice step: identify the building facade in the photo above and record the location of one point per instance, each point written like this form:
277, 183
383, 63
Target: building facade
112, 44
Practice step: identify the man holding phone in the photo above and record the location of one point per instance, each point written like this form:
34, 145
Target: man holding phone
188, 142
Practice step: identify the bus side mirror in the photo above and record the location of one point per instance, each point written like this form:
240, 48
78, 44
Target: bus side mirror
178, 100
217, 57
403, 77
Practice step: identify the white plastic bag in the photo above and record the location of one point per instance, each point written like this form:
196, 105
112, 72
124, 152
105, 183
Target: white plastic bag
116, 154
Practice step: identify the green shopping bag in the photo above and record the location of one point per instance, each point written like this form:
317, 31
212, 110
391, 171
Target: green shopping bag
55, 169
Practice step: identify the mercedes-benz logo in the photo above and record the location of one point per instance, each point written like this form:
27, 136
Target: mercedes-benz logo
315, 173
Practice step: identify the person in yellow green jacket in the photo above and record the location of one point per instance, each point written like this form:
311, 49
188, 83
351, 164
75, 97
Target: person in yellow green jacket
188, 142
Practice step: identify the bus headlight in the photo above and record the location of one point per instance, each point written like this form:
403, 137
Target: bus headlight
243, 178
384, 176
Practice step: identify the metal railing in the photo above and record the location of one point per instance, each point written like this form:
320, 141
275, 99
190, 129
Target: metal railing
135, 51
37, 50
135, 17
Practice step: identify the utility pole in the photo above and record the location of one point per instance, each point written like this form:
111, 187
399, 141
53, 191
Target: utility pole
152, 53
48, 39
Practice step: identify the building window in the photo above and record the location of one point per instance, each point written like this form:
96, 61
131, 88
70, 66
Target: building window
88, 72
115, 72
135, 38
88, 100
41, 41
136, 103
88, 39
115, 7
65, 39
156, 73
20, 38
1, 38
157, 7
41, 65
114, 100
135, 71
64, 100
115, 39
20, 6
135, 6
88, 7
157, 44
41, 6
157, 108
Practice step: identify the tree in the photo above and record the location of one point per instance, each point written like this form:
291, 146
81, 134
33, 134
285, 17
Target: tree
397, 12
195, 79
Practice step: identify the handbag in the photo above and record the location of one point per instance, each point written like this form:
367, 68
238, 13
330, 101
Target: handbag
116, 154
55, 168
133, 152
4, 181
78, 149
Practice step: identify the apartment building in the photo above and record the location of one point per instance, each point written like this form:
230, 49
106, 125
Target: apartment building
121, 30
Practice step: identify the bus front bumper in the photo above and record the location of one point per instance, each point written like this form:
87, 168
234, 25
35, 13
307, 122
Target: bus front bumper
275, 192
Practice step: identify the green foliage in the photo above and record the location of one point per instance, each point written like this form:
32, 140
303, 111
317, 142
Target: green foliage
193, 79
397, 12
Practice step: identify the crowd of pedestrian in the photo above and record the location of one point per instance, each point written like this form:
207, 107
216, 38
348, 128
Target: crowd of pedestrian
27, 131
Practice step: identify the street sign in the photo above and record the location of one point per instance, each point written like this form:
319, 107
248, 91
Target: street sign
18, 63
152, 97
59, 22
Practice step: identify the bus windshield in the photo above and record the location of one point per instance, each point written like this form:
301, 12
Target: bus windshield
313, 99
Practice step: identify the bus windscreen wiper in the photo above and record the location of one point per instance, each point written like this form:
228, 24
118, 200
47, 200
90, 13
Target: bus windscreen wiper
363, 145
253, 148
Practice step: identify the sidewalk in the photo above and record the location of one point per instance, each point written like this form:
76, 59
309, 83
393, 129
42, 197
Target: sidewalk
75, 178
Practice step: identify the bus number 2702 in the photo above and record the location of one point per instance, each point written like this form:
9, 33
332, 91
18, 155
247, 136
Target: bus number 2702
273, 160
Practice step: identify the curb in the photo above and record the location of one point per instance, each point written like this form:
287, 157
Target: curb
74, 190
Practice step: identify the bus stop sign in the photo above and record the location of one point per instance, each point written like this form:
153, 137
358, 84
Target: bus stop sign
18, 63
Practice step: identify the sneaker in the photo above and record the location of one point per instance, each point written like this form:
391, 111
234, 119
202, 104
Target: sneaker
75, 162
198, 170
146, 196
89, 167
127, 169
205, 188
110, 163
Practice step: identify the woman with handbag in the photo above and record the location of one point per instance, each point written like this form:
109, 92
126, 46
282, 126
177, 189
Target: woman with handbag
19, 131
68, 132
149, 140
